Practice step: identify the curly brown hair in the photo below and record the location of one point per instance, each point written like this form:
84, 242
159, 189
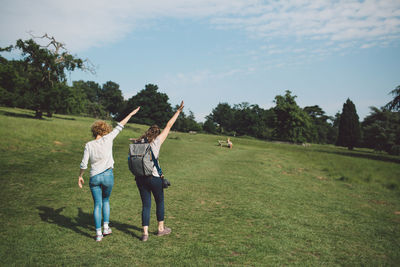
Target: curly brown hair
151, 133
100, 128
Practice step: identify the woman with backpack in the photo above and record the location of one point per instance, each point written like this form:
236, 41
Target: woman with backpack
99, 152
154, 184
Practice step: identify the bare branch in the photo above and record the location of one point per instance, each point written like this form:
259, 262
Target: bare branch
88, 66
52, 42
58, 48
60, 59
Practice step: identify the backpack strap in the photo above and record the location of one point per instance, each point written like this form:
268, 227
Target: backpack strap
155, 160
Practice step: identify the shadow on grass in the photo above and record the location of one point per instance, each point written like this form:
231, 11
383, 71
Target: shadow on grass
83, 220
32, 116
126, 228
366, 155
51, 215
18, 115
64, 118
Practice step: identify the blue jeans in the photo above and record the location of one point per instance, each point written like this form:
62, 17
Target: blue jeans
101, 185
146, 186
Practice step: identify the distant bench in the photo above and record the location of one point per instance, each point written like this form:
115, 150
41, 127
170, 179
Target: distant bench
221, 142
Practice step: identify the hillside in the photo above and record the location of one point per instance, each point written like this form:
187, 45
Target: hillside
261, 203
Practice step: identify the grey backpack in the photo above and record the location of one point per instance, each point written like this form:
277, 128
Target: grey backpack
140, 158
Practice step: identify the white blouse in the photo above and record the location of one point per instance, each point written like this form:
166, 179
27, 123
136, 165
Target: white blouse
99, 152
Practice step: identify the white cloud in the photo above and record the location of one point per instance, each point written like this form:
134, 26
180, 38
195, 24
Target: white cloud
200, 77
339, 21
79, 24
86, 23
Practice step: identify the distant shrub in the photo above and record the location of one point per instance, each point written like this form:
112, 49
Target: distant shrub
344, 178
392, 186
174, 137
395, 150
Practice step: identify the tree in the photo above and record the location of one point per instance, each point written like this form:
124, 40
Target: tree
45, 67
253, 121
181, 124
334, 129
75, 100
292, 123
395, 103
349, 126
155, 108
111, 97
321, 127
91, 89
242, 119
185, 123
13, 83
193, 125
96, 110
382, 130
223, 115
92, 92
209, 125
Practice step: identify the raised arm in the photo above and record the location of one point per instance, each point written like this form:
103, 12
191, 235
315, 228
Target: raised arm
163, 135
127, 118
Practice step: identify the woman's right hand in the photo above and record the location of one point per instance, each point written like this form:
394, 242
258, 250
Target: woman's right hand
80, 181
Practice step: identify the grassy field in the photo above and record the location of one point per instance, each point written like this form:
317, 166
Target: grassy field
259, 204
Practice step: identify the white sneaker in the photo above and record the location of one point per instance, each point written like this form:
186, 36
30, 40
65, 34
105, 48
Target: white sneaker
99, 238
107, 231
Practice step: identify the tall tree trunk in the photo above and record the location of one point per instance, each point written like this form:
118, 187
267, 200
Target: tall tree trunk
39, 114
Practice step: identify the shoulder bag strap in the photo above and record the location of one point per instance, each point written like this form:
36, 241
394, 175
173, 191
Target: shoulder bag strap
155, 160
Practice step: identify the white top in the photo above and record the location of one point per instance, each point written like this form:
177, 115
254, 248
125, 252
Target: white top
155, 146
100, 152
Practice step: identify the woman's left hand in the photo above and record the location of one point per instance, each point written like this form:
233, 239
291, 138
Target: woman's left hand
181, 106
135, 111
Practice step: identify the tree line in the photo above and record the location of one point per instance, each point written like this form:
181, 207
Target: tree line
288, 122
38, 82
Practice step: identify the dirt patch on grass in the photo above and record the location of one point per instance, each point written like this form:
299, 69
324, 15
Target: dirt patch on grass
379, 202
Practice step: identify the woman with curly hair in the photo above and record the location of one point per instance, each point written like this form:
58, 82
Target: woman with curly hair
99, 152
153, 184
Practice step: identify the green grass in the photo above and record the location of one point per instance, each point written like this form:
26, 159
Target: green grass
261, 203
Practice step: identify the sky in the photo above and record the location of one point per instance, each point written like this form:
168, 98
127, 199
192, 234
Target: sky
207, 52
